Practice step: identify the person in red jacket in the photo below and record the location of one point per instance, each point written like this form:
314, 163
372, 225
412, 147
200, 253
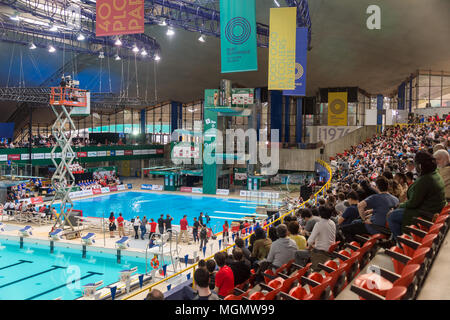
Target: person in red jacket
224, 277
153, 225
184, 229
120, 225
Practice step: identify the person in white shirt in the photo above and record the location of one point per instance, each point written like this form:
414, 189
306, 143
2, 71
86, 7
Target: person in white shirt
322, 237
136, 224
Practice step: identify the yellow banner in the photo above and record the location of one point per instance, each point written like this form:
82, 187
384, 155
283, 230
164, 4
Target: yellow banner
283, 26
337, 108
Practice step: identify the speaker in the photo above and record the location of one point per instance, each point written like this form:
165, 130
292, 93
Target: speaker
310, 103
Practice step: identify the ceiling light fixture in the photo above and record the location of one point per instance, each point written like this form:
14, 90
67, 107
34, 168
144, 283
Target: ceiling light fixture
202, 38
276, 3
15, 17
118, 42
53, 28
117, 57
81, 37
135, 49
163, 23
144, 53
157, 57
32, 46
51, 49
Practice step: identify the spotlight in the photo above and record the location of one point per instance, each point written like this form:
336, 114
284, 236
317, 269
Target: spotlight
53, 28
51, 49
170, 32
32, 46
118, 42
276, 3
144, 53
116, 57
157, 57
135, 49
202, 38
163, 23
80, 37
15, 17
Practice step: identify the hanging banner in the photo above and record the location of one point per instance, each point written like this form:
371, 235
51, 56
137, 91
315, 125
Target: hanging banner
116, 17
337, 108
301, 51
238, 36
282, 48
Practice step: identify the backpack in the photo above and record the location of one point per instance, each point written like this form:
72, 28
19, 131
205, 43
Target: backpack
203, 233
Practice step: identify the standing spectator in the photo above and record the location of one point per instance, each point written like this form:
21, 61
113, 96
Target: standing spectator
143, 227
203, 237
161, 224
195, 230
184, 230
120, 225
200, 219
168, 224
153, 225
224, 277
225, 232
136, 224
283, 249
201, 277
112, 224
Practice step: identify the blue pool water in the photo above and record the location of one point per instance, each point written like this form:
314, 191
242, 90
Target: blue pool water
152, 205
33, 273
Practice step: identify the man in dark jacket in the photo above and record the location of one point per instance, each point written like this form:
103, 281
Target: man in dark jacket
426, 196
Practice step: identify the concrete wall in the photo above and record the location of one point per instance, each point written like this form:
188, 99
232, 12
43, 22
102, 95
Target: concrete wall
304, 159
349, 140
298, 159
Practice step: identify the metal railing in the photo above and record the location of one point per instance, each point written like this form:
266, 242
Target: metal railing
281, 218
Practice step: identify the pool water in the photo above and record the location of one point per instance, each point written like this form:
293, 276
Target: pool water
33, 273
152, 205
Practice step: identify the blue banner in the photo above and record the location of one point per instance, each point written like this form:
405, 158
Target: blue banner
238, 36
301, 51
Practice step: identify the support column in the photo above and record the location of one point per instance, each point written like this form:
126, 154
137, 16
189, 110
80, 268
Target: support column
410, 95
276, 105
287, 108
299, 121
380, 101
143, 122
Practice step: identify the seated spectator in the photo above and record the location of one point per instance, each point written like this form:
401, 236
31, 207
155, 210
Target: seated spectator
211, 267
443, 163
283, 249
293, 229
201, 278
320, 240
224, 277
155, 294
373, 220
241, 245
262, 245
351, 213
426, 196
310, 220
240, 267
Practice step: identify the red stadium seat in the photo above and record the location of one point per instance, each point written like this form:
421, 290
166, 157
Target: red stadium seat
396, 293
232, 297
337, 274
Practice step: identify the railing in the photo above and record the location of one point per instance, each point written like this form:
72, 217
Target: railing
192, 267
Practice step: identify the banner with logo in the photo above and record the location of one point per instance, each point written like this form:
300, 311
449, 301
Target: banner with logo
283, 26
105, 190
97, 191
301, 52
238, 36
119, 17
223, 192
121, 187
186, 189
337, 108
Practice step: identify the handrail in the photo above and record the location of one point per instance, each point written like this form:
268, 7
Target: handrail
324, 188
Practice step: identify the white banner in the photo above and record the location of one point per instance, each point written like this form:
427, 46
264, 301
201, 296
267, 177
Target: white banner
101, 153
120, 152
92, 154
48, 156
105, 190
146, 187
197, 190
25, 156
259, 194
223, 192
3, 157
157, 187
86, 193
38, 156
121, 187
137, 152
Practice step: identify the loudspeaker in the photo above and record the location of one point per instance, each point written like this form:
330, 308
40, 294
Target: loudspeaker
309, 104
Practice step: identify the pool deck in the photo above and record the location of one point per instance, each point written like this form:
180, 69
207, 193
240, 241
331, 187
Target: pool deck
103, 240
